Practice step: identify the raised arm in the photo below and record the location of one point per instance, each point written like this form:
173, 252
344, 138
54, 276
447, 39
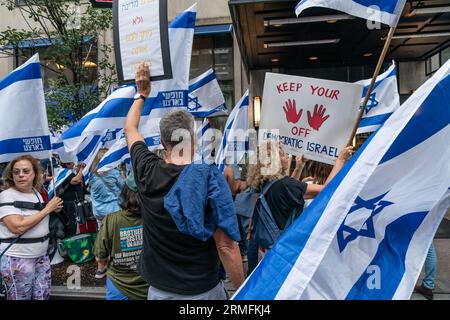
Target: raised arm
131, 126
313, 189
299, 165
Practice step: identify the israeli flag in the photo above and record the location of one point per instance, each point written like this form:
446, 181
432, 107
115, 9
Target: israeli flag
59, 149
62, 176
165, 95
119, 153
22, 95
204, 142
234, 145
383, 101
367, 233
383, 11
205, 96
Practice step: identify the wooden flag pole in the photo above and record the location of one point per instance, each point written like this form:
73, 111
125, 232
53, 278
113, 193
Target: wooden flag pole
372, 83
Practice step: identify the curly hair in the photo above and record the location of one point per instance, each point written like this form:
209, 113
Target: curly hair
265, 165
8, 173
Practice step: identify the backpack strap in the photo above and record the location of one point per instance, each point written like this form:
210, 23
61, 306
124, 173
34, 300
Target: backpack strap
24, 205
266, 188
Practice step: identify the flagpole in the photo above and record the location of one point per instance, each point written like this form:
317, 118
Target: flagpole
372, 83
53, 177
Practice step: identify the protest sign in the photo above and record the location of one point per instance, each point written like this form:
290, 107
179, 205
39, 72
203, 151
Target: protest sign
141, 35
314, 116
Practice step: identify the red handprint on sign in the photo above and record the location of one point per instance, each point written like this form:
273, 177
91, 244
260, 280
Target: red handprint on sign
291, 111
317, 119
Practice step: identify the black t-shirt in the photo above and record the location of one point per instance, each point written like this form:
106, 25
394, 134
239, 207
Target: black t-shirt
170, 261
283, 196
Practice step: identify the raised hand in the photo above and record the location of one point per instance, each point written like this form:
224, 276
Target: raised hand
142, 79
291, 111
317, 119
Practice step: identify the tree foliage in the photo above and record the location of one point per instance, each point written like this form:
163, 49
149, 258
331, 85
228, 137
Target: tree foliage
73, 27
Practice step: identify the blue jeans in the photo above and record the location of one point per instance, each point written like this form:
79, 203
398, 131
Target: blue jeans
112, 293
430, 268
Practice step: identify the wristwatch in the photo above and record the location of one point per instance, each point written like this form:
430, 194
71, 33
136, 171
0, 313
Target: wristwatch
138, 96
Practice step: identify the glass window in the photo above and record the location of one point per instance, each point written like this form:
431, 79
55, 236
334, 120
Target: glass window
51, 70
215, 52
432, 64
445, 55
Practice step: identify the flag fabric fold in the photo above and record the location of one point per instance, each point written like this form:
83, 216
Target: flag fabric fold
383, 11
234, 145
22, 95
205, 96
383, 101
367, 233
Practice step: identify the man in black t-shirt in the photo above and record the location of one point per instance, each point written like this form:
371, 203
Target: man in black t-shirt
176, 265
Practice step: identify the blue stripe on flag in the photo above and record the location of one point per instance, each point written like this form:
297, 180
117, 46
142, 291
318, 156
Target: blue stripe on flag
374, 120
185, 20
210, 77
31, 71
26, 144
399, 232
87, 151
244, 103
113, 157
114, 108
384, 5
204, 114
419, 128
58, 145
308, 221
393, 73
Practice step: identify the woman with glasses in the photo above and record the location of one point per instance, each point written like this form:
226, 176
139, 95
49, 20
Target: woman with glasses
25, 267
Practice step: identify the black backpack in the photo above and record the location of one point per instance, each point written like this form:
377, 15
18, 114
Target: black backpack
265, 230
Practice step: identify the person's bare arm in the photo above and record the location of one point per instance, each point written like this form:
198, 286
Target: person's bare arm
131, 126
313, 189
230, 256
19, 224
299, 165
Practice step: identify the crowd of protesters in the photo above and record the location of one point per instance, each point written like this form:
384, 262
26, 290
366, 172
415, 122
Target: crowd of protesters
169, 229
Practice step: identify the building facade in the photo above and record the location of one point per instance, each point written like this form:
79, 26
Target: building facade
244, 39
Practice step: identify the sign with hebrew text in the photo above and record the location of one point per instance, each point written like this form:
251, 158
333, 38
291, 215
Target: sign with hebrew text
141, 35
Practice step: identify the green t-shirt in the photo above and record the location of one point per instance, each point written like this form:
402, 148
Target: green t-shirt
120, 238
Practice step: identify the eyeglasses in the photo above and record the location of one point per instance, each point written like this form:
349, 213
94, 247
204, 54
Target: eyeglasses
16, 172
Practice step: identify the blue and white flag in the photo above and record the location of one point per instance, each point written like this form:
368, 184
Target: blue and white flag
205, 96
62, 176
204, 142
234, 145
22, 95
165, 95
110, 114
383, 101
367, 233
119, 153
59, 148
172, 94
383, 11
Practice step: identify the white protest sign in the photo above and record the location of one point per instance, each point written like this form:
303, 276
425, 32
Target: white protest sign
313, 117
141, 35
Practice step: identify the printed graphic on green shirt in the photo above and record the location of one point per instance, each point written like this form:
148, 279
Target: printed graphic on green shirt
130, 246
